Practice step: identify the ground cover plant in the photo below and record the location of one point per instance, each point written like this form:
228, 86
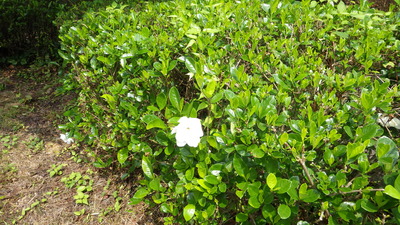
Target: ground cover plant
294, 100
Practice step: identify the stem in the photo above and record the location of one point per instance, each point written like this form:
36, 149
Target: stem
209, 115
357, 191
303, 164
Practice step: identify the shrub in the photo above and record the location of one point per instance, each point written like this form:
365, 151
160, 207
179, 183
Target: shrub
29, 29
26, 30
288, 94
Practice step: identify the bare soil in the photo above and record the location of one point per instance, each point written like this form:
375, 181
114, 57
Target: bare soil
30, 111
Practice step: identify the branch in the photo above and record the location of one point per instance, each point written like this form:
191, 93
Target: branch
356, 191
303, 164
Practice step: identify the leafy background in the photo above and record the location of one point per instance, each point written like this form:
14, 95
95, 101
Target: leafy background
289, 94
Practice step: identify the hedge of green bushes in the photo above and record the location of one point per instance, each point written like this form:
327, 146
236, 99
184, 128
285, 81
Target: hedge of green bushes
29, 29
288, 94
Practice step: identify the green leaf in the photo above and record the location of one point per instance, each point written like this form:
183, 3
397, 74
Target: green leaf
241, 217
329, 158
341, 7
141, 193
63, 55
157, 66
239, 166
387, 153
80, 212
265, 7
283, 138
284, 211
280, 82
271, 181
212, 179
283, 186
392, 192
353, 150
209, 91
268, 211
397, 183
109, 98
105, 60
256, 151
155, 184
174, 98
367, 100
369, 131
161, 100
211, 30
347, 129
254, 188
368, 206
162, 138
122, 155
253, 202
217, 97
189, 211
147, 167
311, 195
189, 63
189, 174
386, 147
153, 121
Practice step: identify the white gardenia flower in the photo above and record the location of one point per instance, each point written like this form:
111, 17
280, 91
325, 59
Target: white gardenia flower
215, 172
64, 138
188, 132
388, 122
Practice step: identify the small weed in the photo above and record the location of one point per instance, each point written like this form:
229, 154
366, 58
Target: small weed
118, 200
34, 143
80, 212
26, 99
24, 75
76, 156
52, 193
56, 170
2, 87
107, 185
105, 213
8, 141
83, 185
9, 168
81, 197
25, 210
72, 179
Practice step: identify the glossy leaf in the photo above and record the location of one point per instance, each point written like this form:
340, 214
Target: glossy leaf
271, 181
161, 100
392, 192
147, 167
284, 211
189, 211
239, 166
153, 121
122, 155
174, 98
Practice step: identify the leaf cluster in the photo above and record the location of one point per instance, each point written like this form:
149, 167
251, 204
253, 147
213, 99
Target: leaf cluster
288, 93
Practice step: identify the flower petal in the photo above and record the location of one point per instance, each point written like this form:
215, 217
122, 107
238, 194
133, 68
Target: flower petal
188, 131
193, 141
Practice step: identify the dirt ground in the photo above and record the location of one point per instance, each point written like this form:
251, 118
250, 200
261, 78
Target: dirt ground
31, 150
